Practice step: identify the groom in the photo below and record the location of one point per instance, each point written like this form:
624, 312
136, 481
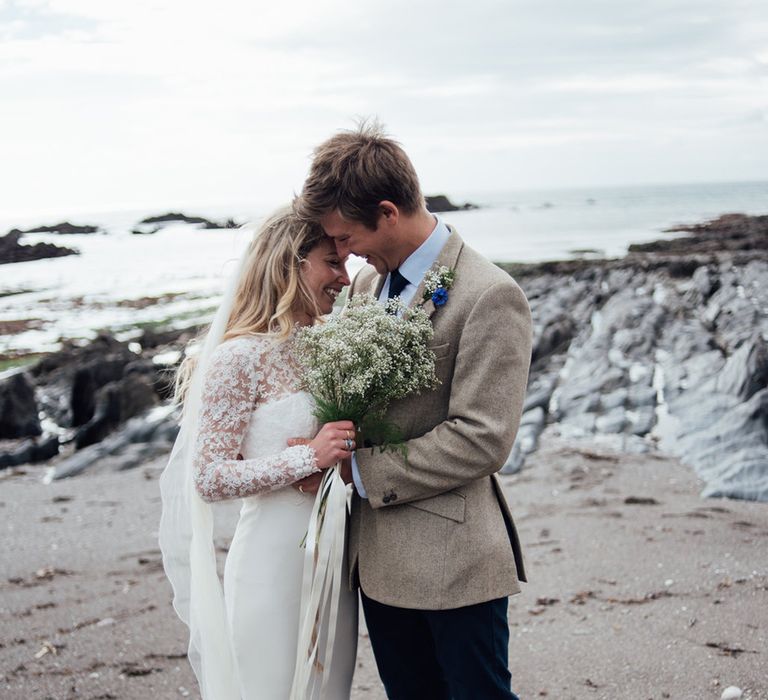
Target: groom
432, 544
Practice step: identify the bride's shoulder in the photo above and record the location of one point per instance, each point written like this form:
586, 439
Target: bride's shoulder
248, 347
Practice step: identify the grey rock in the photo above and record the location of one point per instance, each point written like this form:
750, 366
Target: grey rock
613, 422
746, 371
526, 441
642, 420
614, 399
555, 337
641, 395
705, 281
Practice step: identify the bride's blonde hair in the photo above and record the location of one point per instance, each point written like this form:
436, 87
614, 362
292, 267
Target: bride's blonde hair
270, 289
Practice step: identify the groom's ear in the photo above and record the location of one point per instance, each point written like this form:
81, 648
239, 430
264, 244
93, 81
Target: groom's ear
389, 212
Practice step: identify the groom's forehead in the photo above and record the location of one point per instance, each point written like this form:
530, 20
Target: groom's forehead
336, 226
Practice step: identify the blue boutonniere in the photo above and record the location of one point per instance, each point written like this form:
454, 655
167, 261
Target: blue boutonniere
436, 285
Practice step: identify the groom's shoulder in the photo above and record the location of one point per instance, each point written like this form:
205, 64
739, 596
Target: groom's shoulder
482, 272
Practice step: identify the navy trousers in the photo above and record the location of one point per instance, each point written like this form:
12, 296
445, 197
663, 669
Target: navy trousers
458, 654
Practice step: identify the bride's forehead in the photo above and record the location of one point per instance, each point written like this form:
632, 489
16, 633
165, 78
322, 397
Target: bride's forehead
326, 245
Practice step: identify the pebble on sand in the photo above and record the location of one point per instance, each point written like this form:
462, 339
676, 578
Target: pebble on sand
731, 693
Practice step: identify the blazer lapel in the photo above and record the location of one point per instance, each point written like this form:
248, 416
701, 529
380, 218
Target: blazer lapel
447, 257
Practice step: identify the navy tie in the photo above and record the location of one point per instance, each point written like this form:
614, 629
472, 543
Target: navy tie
396, 283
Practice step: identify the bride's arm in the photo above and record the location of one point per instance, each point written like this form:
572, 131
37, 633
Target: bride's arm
231, 390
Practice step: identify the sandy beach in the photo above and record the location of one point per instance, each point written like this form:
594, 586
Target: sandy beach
639, 589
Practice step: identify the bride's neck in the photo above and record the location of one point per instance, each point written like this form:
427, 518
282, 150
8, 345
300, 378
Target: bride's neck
303, 318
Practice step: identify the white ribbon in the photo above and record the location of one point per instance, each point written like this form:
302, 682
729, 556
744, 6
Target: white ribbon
321, 586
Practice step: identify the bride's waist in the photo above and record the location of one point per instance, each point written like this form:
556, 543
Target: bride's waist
285, 496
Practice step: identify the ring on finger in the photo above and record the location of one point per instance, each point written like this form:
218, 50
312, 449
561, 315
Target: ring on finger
301, 488
348, 444
349, 435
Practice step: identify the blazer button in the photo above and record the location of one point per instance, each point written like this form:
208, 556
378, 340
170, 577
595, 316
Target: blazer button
393, 496
386, 499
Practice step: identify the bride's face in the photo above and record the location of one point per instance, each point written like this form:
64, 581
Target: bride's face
325, 274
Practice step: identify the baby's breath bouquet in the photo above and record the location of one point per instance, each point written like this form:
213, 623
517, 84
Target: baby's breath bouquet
354, 365
358, 362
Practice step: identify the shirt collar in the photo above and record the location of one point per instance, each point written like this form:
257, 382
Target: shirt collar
416, 265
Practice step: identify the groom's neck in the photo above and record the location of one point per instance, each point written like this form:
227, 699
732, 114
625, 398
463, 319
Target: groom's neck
414, 229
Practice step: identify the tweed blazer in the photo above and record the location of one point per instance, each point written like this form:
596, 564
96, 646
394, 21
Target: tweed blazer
436, 532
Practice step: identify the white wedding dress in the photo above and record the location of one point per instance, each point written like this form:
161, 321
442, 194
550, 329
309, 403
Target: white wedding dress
250, 407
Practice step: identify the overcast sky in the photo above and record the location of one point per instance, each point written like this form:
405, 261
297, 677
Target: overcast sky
134, 103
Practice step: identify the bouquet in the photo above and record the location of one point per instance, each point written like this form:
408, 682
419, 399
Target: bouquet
358, 362
354, 365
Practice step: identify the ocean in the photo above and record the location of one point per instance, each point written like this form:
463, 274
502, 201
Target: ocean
123, 282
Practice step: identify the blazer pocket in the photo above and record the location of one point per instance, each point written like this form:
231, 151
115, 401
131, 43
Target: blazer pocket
441, 351
449, 505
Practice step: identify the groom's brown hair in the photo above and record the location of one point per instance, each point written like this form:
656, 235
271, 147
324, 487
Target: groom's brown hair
353, 171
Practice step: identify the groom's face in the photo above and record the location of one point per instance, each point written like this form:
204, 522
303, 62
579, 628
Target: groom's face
357, 239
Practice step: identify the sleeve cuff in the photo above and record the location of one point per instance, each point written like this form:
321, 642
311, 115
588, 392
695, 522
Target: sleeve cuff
356, 478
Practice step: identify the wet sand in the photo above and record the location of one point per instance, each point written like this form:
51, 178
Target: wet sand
638, 588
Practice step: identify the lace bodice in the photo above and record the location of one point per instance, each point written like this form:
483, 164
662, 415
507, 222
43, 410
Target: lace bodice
250, 406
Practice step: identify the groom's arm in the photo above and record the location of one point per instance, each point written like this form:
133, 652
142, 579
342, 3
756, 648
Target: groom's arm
486, 400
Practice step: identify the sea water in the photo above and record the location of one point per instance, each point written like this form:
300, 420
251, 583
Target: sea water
122, 282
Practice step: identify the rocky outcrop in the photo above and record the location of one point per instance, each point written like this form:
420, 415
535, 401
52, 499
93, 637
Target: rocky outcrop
13, 251
730, 232
64, 228
100, 393
440, 203
659, 350
152, 224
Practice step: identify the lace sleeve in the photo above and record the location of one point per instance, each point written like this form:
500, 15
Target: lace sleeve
231, 391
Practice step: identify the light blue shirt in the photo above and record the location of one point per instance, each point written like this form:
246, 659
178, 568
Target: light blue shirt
414, 267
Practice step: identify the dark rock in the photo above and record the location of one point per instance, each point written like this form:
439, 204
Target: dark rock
18, 408
145, 225
64, 362
732, 232
30, 452
12, 251
161, 377
64, 228
116, 402
88, 380
440, 203
153, 338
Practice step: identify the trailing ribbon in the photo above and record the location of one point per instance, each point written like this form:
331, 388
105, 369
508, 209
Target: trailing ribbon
321, 586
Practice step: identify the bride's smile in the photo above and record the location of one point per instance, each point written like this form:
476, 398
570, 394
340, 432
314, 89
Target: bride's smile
325, 275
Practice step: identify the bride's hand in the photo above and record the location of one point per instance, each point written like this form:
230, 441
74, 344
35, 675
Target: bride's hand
333, 443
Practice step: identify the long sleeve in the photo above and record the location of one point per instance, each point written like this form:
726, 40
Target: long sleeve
233, 386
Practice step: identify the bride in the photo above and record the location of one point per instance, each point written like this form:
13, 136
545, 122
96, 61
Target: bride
241, 406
